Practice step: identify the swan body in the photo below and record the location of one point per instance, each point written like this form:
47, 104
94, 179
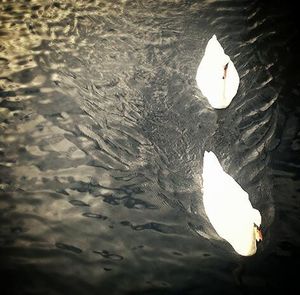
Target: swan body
228, 208
217, 77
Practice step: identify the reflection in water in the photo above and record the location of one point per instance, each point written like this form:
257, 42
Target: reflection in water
102, 137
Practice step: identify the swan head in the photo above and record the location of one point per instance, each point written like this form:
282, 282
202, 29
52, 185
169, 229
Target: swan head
229, 209
217, 77
257, 223
246, 243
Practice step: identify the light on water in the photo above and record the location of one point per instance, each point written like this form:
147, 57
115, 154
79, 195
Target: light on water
103, 133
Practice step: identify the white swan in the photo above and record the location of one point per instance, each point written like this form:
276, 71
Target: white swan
217, 77
228, 208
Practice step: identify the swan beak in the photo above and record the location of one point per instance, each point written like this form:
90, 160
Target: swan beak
257, 233
225, 71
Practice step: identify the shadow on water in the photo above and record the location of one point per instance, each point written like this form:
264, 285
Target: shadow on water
102, 136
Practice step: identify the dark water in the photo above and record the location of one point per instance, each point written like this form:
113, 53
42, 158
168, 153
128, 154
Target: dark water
102, 136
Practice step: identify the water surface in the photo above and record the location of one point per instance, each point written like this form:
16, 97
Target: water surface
103, 131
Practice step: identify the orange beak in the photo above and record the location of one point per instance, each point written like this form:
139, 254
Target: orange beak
258, 234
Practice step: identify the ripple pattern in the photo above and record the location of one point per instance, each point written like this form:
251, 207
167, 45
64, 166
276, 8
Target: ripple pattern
102, 134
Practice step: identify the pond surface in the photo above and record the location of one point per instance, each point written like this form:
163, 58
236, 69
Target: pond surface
102, 134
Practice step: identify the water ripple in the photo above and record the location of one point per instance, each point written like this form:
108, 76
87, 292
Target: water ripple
102, 134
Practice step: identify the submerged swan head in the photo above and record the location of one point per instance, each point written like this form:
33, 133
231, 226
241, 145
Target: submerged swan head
217, 77
228, 208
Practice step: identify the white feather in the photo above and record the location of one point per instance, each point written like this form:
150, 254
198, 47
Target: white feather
218, 85
228, 207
